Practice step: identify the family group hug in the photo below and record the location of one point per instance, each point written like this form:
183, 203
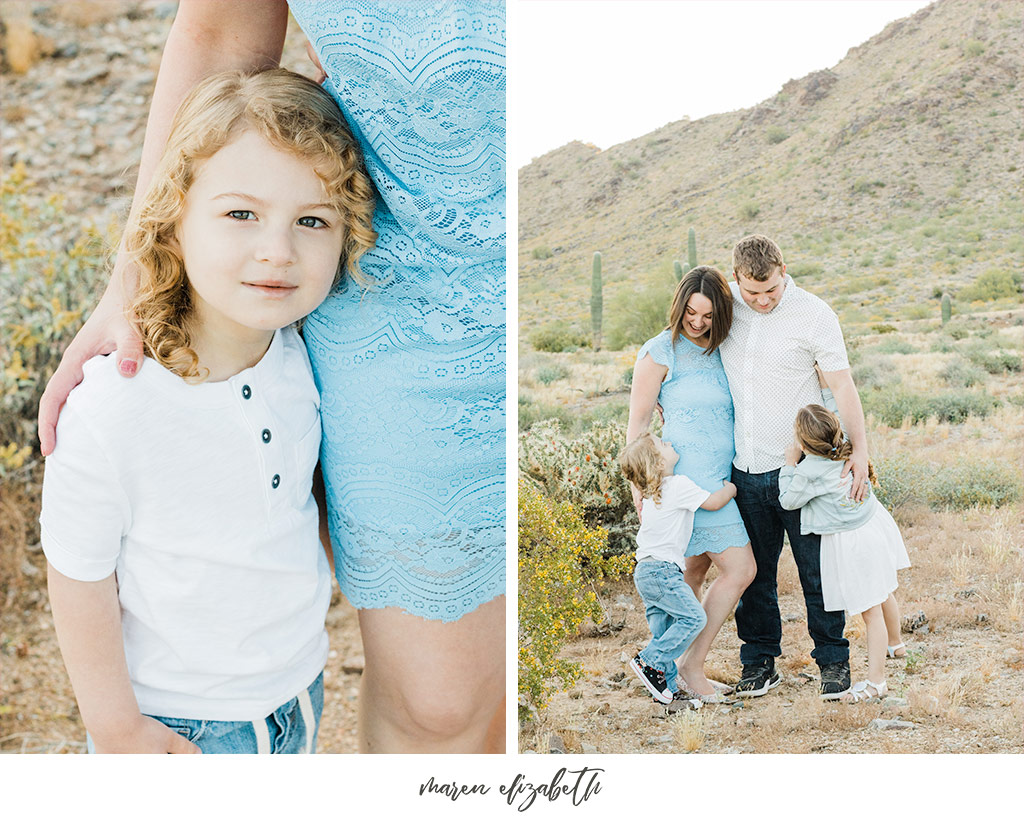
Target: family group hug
763, 437
296, 374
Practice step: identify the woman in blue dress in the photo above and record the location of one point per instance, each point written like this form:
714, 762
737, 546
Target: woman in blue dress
681, 371
412, 370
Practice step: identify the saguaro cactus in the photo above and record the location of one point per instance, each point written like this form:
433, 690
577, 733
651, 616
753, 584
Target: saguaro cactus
596, 301
947, 308
691, 248
678, 267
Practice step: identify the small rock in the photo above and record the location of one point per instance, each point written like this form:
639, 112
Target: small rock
793, 616
604, 709
660, 739
924, 630
912, 622
576, 695
806, 676
890, 724
981, 618
556, 744
966, 593
354, 665
619, 676
590, 749
725, 710
894, 701
87, 77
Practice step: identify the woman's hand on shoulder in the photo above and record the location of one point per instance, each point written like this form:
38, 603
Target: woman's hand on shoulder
107, 330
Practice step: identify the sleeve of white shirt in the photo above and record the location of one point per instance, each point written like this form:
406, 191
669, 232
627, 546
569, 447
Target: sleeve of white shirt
827, 339
682, 493
85, 511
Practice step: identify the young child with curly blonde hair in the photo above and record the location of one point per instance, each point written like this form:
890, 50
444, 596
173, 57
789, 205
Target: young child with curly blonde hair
673, 612
187, 581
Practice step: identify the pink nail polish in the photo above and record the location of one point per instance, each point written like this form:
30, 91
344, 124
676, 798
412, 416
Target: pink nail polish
127, 367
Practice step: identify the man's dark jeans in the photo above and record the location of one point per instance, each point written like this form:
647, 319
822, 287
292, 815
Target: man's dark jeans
758, 622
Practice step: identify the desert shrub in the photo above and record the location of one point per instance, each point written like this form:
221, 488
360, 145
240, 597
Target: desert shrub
560, 560
804, 270
974, 48
993, 362
776, 134
974, 483
551, 373
894, 346
750, 210
581, 469
874, 375
635, 317
993, 284
900, 481
47, 289
541, 253
531, 413
557, 336
962, 373
956, 407
883, 328
892, 406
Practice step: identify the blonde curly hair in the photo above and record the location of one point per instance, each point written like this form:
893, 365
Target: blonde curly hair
643, 466
293, 114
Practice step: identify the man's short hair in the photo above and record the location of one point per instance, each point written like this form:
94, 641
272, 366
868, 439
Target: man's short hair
756, 257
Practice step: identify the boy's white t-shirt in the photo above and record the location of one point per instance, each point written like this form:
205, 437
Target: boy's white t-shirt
665, 528
199, 497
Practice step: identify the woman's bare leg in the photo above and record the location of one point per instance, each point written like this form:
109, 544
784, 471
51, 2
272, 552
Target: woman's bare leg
736, 570
696, 571
431, 686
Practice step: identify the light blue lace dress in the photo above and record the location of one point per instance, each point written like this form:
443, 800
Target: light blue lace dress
699, 424
412, 372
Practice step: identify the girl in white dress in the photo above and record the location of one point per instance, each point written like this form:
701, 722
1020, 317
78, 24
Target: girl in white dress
861, 546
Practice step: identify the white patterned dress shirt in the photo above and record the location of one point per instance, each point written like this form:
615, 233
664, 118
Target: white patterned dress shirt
769, 361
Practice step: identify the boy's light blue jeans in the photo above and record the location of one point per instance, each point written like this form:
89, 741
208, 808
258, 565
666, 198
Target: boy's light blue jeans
291, 728
674, 615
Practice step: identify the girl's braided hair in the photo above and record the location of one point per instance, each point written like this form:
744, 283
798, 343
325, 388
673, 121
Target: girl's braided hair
820, 432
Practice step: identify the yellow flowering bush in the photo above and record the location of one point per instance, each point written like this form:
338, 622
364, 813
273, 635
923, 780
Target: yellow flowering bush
46, 287
560, 561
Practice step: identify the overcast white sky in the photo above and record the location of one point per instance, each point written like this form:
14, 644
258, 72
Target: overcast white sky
607, 71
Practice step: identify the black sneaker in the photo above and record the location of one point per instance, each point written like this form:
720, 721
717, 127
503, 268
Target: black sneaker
654, 680
835, 681
757, 679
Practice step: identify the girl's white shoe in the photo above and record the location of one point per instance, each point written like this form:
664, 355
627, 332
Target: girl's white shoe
890, 652
863, 690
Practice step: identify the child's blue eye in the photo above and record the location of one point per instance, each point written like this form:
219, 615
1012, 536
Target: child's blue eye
311, 222
241, 214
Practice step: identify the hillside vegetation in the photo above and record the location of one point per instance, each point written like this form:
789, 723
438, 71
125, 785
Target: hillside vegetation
887, 179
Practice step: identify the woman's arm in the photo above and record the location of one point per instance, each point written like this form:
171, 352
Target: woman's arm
643, 397
87, 618
205, 38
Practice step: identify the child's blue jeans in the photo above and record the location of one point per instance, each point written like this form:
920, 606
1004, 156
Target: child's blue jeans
291, 728
674, 615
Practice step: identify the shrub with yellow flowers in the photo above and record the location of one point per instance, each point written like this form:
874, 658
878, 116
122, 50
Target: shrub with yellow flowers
47, 284
561, 560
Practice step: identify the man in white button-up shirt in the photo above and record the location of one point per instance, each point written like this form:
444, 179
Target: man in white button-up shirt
779, 332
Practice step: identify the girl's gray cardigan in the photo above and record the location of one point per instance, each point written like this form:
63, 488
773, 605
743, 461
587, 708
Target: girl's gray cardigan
814, 486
